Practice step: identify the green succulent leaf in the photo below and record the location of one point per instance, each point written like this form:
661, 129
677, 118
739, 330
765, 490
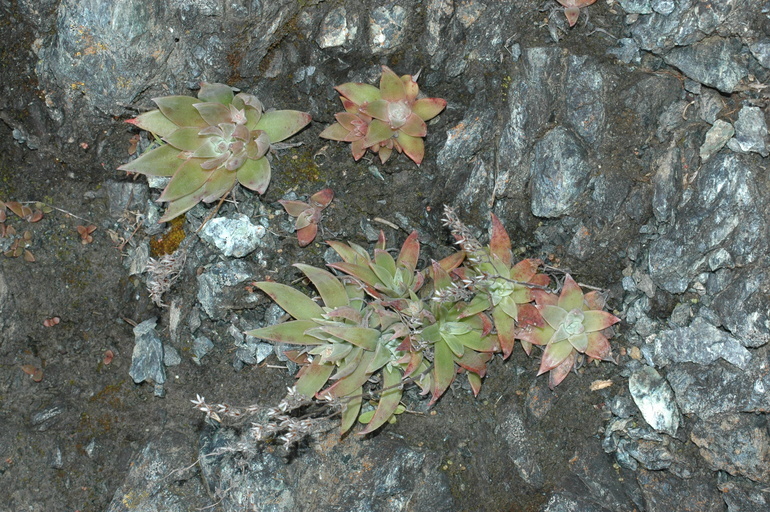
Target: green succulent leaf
594, 320
363, 273
554, 354
349, 385
359, 93
312, 378
294, 302
443, 370
219, 93
378, 132
475, 381
214, 113
180, 110
187, 179
282, 124
554, 315
474, 362
384, 260
579, 342
161, 161
154, 122
428, 108
389, 400
331, 290
571, 296
292, 332
414, 127
363, 337
413, 147
185, 139
377, 109
255, 174
219, 184
335, 132
506, 331
179, 206
391, 86
351, 411
500, 242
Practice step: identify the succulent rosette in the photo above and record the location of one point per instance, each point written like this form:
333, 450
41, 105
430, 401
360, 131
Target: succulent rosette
383, 119
211, 143
308, 214
573, 323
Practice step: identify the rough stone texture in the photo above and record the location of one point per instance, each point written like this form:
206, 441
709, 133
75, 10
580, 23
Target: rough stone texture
750, 132
218, 287
147, 359
736, 443
513, 431
700, 343
235, 236
395, 476
710, 62
655, 400
664, 492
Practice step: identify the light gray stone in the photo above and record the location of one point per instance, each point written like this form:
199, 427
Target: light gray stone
655, 399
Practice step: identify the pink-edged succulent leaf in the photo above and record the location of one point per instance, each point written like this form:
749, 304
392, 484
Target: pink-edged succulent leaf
378, 132
475, 382
595, 300
594, 320
599, 347
413, 147
179, 206
558, 374
452, 261
282, 124
351, 410
322, 198
553, 355
220, 183
530, 315
161, 161
358, 149
335, 131
410, 86
391, 86
554, 315
363, 337
384, 260
294, 302
348, 253
313, 377
219, 93
331, 290
571, 296
348, 385
214, 113
525, 270
414, 126
306, 234
378, 109
506, 331
535, 335
358, 93
180, 111
544, 297
410, 252
294, 208
444, 370
500, 243
187, 179
389, 400
441, 278
254, 174
428, 108
572, 14
292, 332
154, 122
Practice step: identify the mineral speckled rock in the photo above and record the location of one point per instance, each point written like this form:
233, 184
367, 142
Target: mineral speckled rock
513, 431
147, 358
716, 138
655, 400
711, 62
219, 290
234, 236
750, 132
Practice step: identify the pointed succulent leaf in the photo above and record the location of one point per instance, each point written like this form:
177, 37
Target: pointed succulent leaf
383, 259
294, 302
560, 372
313, 378
474, 362
530, 315
544, 297
389, 400
443, 370
410, 86
378, 132
579, 342
414, 126
351, 410
475, 382
572, 14
554, 315
255, 174
452, 261
282, 124
292, 332
428, 108
598, 347
185, 139
363, 273
179, 206
219, 93
294, 208
413, 147
307, 234
454, 343
525, 270
363, 337
347, 253
349, 364
554, 354
391, 86
220, 183
506, 332
509, 306
214, 113
571, 296
359, 93
187, 179
331, 290
322, 198
350, 384
161, 161
154, 122
377, 109
335, 132
594, 320
500, 242
180, 111
535, 335
410, 252
441, 278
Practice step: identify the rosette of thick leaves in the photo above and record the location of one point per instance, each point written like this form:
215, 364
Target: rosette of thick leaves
348, 342
572, 324
504, 289
210, 143
308, 214
384, 119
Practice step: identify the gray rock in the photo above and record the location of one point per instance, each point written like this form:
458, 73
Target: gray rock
337, 29
126, 195
387, 28
716, 138
719, 388
724, 211
46, 418
219, 289
201, 346
736, 443
741, 494
560, 172
664, 7
234, 236
651, 455
655, 399
751, 321
665, 492
171, 355
512, 430
396, 476
584, 92
666, 182
563, 501
437, 13
750, 132
761, 51
700, 343
636, 6
710, 62
627, 51
147, 358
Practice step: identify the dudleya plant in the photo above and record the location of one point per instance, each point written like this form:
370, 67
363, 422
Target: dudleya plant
210, 143
387, 323
383, 119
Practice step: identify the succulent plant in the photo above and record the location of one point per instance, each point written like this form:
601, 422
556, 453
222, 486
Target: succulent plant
384, 119
308, 214
572, 9
572, 324
210, 143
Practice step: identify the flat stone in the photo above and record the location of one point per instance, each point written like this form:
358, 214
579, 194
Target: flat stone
147, 358
716, 138
710, 62
750, 132
655, 399
234, 236
387, 28
336, 29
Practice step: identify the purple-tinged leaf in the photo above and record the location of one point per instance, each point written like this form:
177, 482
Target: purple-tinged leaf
410, 252
294, 302
506, 331
474, 362
525, 270
389, 399
294, 208
475, 381
214, 113
599, 347
428, 108
350, 384
255, 174
312, 378
500, 242
323, 197
414, 126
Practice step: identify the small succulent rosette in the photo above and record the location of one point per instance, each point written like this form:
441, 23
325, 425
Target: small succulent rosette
210, 143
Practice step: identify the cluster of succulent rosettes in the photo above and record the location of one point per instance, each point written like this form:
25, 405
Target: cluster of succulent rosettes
384, 119
210, 143
384, 321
